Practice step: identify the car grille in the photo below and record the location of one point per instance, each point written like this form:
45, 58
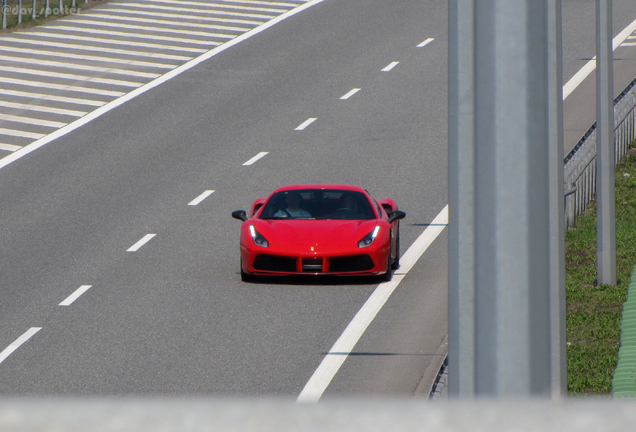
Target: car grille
274, 263
312, 265
350, 263
353, 263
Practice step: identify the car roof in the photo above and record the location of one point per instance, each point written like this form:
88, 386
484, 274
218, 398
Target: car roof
320, 186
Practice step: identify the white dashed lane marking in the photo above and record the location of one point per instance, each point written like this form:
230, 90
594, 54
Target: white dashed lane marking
18, 342
200, 198
426, 42
78, 292
145, 239
349, 94
306, 123
390, 66
255, 158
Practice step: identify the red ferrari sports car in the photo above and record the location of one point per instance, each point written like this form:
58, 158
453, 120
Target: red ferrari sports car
320, 229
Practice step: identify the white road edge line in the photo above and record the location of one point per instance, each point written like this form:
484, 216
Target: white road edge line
580, 76
200, 198
350, 93
78, 292
340, 350
158, 81
390, 66
426, 42
19, 341
306, 123
255, 158
145, 239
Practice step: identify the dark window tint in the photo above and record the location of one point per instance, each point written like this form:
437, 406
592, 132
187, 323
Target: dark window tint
318, 204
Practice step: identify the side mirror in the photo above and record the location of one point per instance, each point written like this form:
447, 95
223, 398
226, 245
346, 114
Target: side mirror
240, 215
396, 215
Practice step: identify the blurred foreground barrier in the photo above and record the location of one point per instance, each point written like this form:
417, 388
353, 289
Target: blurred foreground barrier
624, 380
341, 415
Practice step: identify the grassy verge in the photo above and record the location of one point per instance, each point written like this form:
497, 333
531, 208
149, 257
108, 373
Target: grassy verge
594, 313
56, 11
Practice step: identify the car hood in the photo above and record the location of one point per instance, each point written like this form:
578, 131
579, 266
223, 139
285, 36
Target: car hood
311, 232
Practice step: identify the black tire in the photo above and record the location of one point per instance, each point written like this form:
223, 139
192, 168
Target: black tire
396, 262
245, 277
389, 274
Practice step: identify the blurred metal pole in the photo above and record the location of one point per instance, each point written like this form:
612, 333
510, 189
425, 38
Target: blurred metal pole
605, 214
512, 236
461, 178
557, 203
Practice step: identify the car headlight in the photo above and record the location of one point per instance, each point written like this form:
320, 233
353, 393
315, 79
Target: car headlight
258, 238
368, 239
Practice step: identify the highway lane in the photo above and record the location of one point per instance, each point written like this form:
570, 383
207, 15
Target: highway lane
173, 318
579, 47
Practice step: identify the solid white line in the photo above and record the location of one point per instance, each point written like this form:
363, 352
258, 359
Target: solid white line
340, 350
146, 87
69, 65
390, 66
86, 21
145, 239
198, 18
255, 158
112, 42
426, 42
256, 2
87, 57
107, 17
53, 98
215, 5
306, 123
22, 134
580, 76
19, 341
201, 197
40, 108
74, 77
61, 87
351, 93
9, 147
33, 121
138, 36
93, 48
78, 292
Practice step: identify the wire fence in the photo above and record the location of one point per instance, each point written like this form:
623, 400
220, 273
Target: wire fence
580, 164
18, 12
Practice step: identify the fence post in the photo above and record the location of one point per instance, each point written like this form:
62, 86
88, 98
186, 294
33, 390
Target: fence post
556, 201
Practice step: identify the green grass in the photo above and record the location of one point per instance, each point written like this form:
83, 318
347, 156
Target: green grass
594, 313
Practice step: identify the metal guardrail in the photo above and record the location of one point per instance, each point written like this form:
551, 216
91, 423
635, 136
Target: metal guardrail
580, 166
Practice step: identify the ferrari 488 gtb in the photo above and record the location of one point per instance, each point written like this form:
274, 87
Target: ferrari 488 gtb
319, 229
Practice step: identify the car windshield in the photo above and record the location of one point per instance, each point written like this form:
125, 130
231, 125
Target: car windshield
318, 204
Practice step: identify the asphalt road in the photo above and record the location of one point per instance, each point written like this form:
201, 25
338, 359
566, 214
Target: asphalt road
173, 317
